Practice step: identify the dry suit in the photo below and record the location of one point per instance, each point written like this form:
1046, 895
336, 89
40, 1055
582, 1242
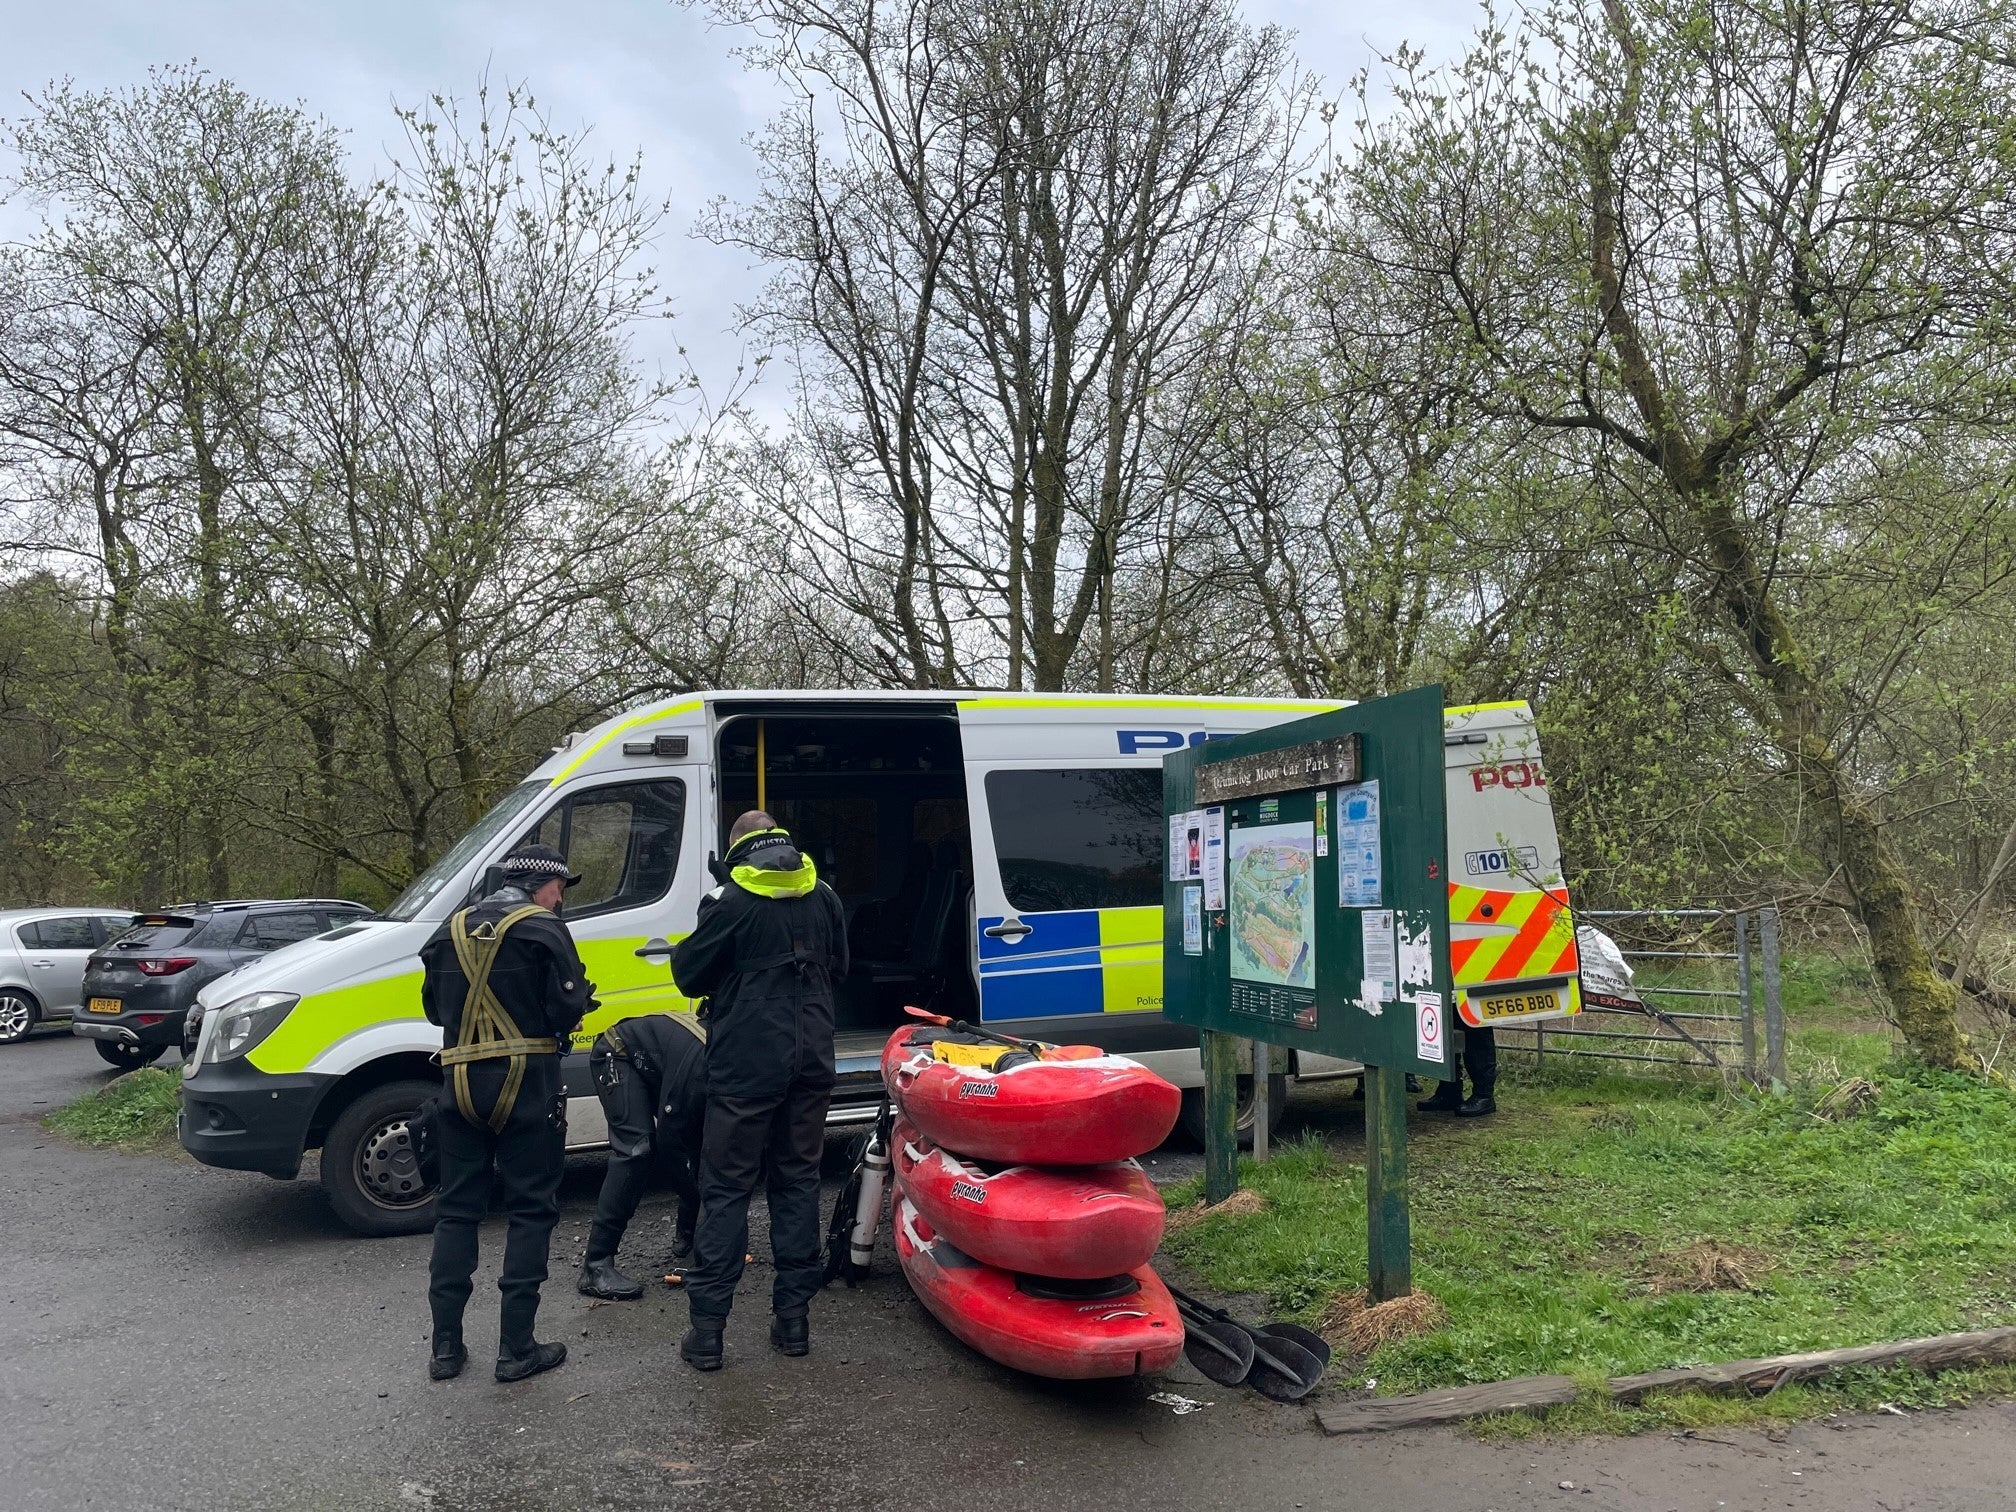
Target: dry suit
650, 1074
502, 1112
766, 951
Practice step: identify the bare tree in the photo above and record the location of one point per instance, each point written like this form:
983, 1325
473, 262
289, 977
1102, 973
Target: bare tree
997, 225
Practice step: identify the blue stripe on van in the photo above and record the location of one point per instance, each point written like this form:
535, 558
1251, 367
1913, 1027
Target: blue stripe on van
1046, 960
1068, 929
1042, 994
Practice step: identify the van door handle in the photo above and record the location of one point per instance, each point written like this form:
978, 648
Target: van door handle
1007, 929
42, 965
653, 948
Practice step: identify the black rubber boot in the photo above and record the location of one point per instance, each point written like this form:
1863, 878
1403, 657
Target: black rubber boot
448, 1358
701, 1348
682, 1243
600, 1278
1448, 1097
516, 1367
1478, 1107
792, 1336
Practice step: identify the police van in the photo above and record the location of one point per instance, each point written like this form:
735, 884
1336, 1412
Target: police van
1000, 856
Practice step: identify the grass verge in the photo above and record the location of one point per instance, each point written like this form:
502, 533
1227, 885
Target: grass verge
133, 1112
1604, 1225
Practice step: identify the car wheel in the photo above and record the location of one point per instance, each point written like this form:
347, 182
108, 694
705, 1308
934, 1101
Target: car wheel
1191, 1119
128, 1057
370, 1168
18, 1014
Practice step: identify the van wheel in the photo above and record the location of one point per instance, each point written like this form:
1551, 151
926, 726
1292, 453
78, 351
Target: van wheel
369, 1166
1191, 1119
17, 1015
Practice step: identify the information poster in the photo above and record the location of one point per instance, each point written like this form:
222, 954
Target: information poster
1271, 877
1214, 859
1193, 921
1358, 856
1186, 846
1381, 962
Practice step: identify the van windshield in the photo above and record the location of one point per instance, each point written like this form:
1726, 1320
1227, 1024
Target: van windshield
442, 872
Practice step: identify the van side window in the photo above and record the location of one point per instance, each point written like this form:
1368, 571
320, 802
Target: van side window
623, 840
1086, 838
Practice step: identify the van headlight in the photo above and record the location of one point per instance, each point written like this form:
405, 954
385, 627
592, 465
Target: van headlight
244, 1022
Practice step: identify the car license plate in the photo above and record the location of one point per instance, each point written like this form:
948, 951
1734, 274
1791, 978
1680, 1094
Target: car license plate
1515, 1005
105, 1005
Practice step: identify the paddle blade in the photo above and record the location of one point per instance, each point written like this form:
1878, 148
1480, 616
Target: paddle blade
1283, 1371
1220, 1352
930, 1018
1295, 1333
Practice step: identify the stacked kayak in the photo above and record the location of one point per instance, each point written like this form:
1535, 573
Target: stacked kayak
1133, 1329
1023, 1222
1053, 1105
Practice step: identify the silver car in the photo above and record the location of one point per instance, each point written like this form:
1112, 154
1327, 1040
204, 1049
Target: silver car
42, 956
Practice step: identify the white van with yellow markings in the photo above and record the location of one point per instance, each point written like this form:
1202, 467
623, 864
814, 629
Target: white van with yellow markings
1000, 856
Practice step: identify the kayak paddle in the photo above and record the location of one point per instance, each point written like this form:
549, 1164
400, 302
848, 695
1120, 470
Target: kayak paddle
962, 1027
1283, 1370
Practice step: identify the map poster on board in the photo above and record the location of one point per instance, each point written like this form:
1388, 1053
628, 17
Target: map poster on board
1272, 880
1271, 888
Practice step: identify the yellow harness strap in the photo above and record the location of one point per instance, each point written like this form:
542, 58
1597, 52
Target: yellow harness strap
487, 1031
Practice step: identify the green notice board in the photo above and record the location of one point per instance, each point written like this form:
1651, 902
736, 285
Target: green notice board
1305, 900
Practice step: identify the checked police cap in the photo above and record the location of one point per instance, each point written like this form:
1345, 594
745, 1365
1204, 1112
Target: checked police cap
535, 864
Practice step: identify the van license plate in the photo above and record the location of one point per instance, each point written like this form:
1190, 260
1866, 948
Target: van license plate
105, 1005
1515, 1005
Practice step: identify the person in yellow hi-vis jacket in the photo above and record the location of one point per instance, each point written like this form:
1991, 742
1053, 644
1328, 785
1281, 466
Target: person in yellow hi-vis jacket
505, 984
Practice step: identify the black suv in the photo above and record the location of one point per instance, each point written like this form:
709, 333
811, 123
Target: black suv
139, 989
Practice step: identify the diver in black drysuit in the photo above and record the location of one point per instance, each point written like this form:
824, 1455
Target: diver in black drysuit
766, 950
650, 1073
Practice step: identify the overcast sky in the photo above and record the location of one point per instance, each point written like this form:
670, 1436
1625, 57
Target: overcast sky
646, 74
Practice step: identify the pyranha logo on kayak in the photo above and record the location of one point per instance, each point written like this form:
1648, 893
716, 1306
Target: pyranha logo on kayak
979, 1089
970, 1191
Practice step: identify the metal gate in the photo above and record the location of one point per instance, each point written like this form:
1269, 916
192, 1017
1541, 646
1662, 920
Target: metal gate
1710, 982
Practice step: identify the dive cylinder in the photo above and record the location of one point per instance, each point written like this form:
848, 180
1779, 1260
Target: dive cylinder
868, 1211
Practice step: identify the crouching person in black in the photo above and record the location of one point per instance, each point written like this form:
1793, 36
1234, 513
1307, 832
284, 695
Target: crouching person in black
650, 1072
505, 985
767, 947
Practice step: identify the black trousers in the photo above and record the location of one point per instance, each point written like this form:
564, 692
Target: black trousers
525, 1160
779, 1138
643, 1143
1478, 1055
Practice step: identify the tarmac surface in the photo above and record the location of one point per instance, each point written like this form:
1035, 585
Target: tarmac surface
178, 1337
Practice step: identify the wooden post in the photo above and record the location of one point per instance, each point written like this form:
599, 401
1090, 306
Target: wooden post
1221, 1116
1263, 1068
1389, 1258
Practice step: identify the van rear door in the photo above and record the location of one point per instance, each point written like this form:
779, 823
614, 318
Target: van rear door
1512, 934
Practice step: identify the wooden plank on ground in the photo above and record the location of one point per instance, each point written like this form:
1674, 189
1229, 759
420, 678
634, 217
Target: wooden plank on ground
1376, 1414
1988, 1346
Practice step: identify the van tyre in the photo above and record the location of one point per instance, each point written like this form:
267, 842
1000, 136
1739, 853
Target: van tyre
18, 1015
128, 1057
370, 1168
1191, 1118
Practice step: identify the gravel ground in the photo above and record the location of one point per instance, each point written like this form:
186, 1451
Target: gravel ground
179, 1337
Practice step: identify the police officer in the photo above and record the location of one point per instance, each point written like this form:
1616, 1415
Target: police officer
1478, 1054
505, 985
766, 950
650, 1072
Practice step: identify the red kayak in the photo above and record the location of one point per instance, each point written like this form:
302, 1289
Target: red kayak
1078, 1222
1138, 1332
1050, 1105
